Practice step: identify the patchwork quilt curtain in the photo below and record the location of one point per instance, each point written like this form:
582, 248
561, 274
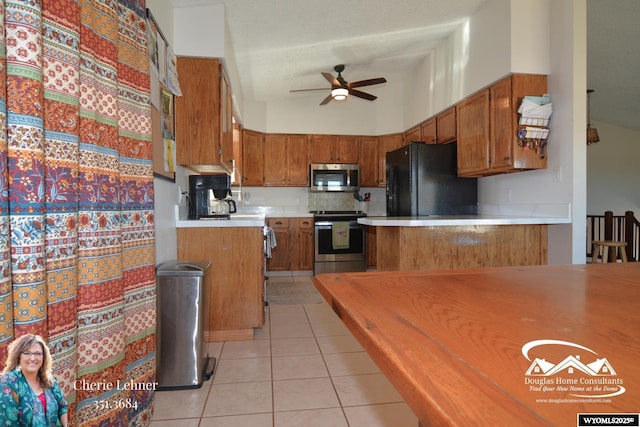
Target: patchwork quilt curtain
76, 199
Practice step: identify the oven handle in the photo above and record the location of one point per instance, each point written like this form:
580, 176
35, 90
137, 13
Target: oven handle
330, 223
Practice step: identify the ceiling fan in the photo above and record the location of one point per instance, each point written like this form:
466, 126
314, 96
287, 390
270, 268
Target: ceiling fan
341, 89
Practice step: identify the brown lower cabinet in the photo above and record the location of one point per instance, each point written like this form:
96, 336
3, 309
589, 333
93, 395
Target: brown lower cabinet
372, 253
234, 284
460, 246
294, 239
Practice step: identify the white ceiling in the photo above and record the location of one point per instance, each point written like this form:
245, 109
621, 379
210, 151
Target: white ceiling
285, 44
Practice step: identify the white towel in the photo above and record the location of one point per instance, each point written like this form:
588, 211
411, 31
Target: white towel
269, 241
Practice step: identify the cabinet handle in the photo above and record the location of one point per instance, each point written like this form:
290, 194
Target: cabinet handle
506, 157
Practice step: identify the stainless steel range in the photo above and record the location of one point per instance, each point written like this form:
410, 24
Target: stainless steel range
339, 242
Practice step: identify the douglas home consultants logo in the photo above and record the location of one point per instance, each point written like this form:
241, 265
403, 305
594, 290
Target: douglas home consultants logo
570, 369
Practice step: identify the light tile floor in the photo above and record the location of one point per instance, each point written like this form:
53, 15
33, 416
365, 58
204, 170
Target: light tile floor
304, 368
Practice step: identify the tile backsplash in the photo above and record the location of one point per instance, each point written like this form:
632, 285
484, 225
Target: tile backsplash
331, 201
300, 199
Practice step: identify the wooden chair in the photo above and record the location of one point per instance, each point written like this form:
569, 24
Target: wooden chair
608, 246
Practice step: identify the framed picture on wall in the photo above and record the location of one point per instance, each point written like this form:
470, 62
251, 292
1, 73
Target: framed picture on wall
152, 42
168, 113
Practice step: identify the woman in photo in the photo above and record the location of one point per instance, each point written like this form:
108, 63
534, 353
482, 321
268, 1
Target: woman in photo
29, 395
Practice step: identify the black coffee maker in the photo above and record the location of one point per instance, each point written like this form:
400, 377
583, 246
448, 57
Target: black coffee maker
199, 194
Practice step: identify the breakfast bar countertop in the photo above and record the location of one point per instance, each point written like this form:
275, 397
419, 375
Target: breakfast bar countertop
456, 220
505, 346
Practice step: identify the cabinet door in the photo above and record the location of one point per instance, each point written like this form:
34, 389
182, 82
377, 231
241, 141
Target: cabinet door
346, 149
305, 245
502, 133
198, 112
294, 244
368, 160
412, 134
523, 85
252, 158
234, 287
371, 247
428, 130
446, 126
321, 149
473, 135
275, 159
226, 121
279, 260
387, 143
297, 160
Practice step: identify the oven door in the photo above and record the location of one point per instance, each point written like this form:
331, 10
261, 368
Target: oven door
324, 251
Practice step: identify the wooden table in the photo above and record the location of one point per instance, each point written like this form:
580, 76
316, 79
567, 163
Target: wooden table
465, 347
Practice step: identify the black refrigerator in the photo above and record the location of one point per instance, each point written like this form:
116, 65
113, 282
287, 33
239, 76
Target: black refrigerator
422, 180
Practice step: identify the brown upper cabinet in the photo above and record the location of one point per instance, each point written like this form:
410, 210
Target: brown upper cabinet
428, 131
439, 129
252, 158
333, 149
412, 134
487, 125
204, 129
387, 143
286, 160
346, 150
446, 126
473, 134
321, 148
368, 160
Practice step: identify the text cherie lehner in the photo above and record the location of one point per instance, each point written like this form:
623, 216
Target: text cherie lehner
108, 385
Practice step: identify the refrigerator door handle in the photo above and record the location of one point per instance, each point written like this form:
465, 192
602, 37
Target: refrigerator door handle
391, 191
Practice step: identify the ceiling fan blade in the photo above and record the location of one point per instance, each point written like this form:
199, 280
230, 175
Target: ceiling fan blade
308, 90
368, 82
362, 95
332, 79
327, 99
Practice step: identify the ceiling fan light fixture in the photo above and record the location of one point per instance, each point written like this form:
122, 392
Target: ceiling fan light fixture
339, 94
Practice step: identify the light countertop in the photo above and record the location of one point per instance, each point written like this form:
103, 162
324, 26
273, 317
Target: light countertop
454, 220
245, 217
237, 220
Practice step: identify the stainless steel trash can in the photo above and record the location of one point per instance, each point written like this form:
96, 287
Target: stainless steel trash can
181, 361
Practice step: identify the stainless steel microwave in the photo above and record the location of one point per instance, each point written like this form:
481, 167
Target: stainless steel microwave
334, 177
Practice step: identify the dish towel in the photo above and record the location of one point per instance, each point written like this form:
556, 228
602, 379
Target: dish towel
340, 235
269, 241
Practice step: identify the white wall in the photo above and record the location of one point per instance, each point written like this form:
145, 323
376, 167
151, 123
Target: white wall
488, 55
567, 151
303, 114
200, 31
612, 171
563, 181
165, 192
